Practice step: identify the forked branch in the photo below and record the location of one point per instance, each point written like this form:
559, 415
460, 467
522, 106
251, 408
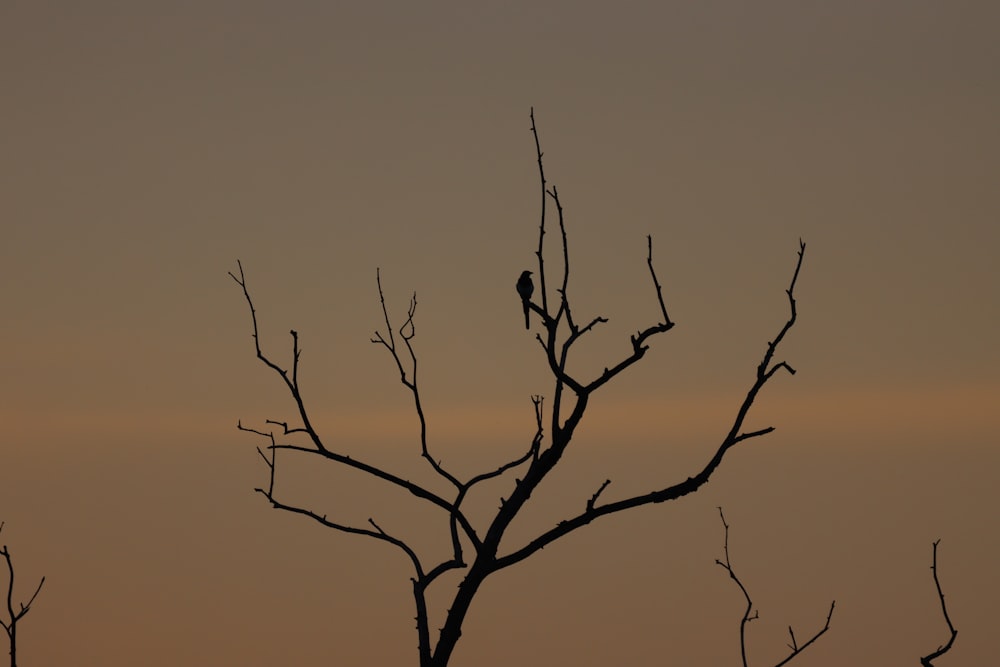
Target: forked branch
408, 371
750, 614
398, 342
291, 381
557, 350
766, 370
14, 615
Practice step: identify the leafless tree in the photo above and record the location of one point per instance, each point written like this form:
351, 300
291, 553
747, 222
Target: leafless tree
928, 660
476, 548
10, 625
751, 614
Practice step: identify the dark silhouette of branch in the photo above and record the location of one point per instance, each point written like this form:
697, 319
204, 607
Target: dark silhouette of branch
563, 433
406, 364
560, 331
13, 616
408, 378
928, 660
750, 614
319, 448
747, 617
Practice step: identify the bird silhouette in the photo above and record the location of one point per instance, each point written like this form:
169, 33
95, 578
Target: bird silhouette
525, 288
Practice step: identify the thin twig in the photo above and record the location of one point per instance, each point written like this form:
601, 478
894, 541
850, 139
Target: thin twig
747, 617
796, 649
541, 224
408, 377
597, 494
928, 660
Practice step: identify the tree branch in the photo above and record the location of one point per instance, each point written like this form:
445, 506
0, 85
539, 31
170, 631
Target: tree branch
293, 382
13, 616
735, 436
319, 448
541, 225
798, 649
557, 353
414, 489
749, 614
928, 660
746, 595
409, 380
531, 453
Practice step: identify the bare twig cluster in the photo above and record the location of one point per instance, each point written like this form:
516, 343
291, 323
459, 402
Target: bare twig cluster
751, 614
476, 549
14, 615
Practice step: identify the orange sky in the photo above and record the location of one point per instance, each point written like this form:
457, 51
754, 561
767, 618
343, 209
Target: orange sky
147, 146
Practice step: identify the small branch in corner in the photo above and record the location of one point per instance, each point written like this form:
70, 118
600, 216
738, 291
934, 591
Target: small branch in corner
928, 660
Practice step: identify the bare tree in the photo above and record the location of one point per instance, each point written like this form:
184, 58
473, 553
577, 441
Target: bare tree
10, 625
476, 548
751, 614
928, 660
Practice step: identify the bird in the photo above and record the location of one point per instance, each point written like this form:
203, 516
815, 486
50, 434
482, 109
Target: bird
525, 288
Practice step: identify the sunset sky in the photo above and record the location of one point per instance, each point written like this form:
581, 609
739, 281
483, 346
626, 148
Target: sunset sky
147, 146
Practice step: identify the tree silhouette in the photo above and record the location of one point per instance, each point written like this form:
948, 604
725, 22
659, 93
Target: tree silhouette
475, 549
10, 625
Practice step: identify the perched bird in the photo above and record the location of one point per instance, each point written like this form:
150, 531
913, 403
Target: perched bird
525, 288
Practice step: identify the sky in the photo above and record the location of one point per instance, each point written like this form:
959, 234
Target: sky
148, 146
